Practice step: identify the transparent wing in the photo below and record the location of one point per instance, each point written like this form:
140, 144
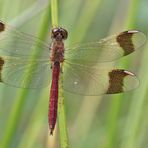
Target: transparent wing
87, 80
16, 43
24, 73
24, 60
107, 49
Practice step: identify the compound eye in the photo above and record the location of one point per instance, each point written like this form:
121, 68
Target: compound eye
54, 32
64, 34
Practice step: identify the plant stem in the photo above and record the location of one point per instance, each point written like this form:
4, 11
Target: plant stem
17, 108
61, 107
62, 117
54, 13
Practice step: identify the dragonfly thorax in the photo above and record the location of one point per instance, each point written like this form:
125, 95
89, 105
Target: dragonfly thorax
57, 51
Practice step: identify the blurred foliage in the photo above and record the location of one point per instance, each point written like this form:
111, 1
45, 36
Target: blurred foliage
112, 121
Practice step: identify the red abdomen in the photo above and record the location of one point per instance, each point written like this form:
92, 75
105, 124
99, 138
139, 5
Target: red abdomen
53, 104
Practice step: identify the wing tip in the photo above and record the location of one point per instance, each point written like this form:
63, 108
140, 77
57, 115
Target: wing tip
131, 40
141, 35
121, 80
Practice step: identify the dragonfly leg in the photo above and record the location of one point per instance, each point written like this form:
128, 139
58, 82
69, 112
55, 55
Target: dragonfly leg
51, 65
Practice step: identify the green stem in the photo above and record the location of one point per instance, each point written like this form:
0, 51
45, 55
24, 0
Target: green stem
132, 13
33, 128
85, 17
117, 100
61, 106
54, 13
14, 117
17, 108
130, 134
62, 117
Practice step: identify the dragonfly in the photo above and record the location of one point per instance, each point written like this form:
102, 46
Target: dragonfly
83, 66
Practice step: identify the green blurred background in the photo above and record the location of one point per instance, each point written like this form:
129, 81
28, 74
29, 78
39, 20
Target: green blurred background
113, 121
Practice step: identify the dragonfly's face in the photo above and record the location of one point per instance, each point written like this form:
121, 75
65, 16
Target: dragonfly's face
59, 34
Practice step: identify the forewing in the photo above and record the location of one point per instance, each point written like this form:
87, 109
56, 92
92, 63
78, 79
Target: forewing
15, 43
107, 49
24, 59
86, 80
24, 73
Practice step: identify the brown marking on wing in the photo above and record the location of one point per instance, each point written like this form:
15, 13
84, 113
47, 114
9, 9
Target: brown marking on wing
116, 78
1, 67
2, 26
125, 41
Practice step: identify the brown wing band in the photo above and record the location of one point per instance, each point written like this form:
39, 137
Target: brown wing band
125, 41
1, 67
116, 78
2, 26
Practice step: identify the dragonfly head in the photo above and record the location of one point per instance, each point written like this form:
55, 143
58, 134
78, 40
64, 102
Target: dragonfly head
59, 34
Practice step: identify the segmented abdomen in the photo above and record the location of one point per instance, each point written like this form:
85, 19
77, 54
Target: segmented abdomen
53, 104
